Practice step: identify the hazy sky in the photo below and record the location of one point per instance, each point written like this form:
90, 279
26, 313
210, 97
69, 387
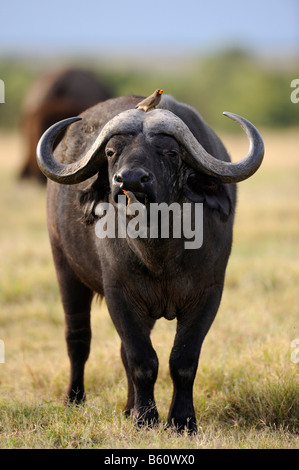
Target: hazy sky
132, 25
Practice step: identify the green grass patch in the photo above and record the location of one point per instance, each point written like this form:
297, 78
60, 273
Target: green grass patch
246, 389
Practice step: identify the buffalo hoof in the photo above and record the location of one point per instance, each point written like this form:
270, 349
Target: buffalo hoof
180, 425
75, 397
149, 418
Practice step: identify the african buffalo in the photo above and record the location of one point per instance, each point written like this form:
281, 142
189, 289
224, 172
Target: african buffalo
56, 95
166, 155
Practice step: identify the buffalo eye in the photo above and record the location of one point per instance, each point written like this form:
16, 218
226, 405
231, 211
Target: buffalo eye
171, 153
166, 145
110, 152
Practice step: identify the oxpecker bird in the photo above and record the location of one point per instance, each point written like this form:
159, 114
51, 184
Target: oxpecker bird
151, 101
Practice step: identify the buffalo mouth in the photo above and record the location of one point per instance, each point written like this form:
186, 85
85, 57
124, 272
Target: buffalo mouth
143, 198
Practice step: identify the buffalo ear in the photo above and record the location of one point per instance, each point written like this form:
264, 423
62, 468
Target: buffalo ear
210, 191
91, 196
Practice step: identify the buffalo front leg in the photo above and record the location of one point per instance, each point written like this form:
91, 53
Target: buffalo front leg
192, 328
130, 397
139, 359
76, 300
142, 370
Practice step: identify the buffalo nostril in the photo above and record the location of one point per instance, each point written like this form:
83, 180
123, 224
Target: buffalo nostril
118, 179
145, 179
132, 179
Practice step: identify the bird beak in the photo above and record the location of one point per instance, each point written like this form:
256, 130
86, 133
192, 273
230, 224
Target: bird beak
160, 92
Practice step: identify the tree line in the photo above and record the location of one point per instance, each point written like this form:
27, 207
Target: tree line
233, 80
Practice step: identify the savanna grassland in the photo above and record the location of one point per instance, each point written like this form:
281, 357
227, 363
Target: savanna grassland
246, 389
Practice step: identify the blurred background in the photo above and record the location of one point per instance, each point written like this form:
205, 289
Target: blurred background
213, 55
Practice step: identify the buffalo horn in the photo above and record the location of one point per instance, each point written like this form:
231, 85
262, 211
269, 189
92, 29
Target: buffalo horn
198, 158
155, 122
128, 122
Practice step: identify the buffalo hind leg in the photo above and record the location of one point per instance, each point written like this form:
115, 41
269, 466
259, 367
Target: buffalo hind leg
76, 300
191, 330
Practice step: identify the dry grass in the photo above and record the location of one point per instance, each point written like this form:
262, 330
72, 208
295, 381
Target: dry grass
246, 391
